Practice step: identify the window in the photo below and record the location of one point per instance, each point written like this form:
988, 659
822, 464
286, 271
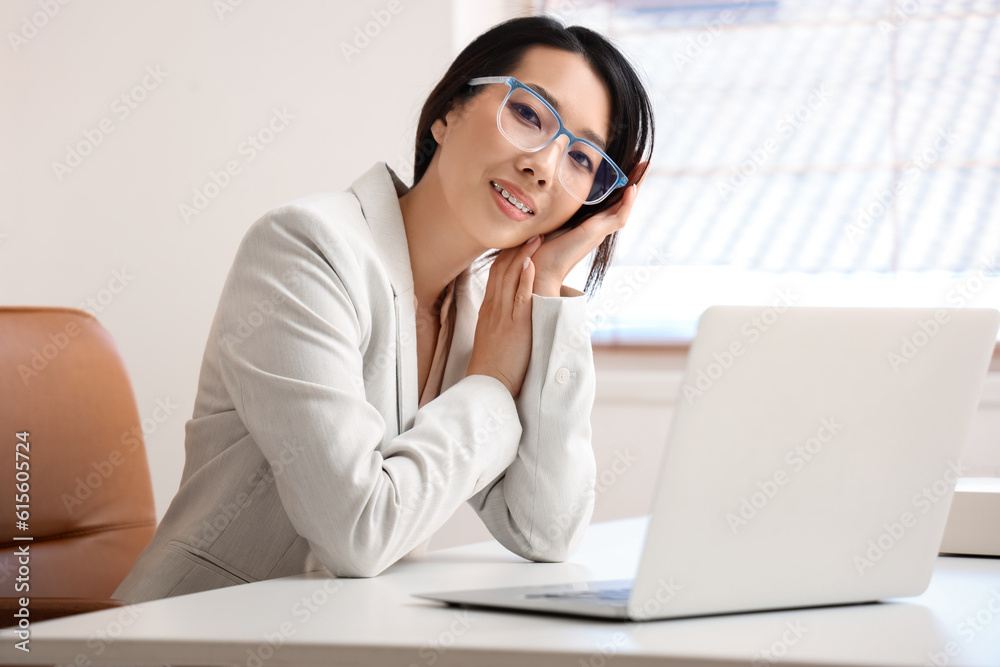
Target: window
847, 153
833, 152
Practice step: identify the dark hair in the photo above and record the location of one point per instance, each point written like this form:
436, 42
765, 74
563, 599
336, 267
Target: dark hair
500, 50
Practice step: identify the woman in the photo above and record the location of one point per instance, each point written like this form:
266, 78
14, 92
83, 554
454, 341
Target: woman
363, 379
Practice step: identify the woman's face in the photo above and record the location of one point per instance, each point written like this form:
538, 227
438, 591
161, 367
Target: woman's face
473, 154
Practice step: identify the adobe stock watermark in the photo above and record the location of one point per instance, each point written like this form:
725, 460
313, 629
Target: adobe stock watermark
626, 286
431, 651
894, 531
122, 107
926, 329
622, 463
969, 630
911, 344
41, 358
32, 24
902, 11
363, 35
8, 567
561, 6
752, 330
797, 457
224, 7
99, 641
247, 324
703, 40
383, 359
878, 207
102, 299
248, 150
778, 649
633, 282
59, 340
437, 478
786, 127
417, 156
105, 468
970, 286
211, 529
666, 591
605, 652
302, 610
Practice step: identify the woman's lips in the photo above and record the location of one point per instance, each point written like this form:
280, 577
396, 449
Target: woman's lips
507, 207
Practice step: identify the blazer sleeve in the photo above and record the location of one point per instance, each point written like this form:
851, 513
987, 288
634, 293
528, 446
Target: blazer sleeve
539, 508
295, 371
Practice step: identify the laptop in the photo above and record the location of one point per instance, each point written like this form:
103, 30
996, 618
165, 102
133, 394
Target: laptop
811, 461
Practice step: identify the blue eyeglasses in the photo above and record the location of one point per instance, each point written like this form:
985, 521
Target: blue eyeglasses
530, 123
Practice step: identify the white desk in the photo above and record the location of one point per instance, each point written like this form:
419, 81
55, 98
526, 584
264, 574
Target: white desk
311, 620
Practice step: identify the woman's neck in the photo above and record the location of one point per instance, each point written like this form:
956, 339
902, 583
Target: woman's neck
439, 247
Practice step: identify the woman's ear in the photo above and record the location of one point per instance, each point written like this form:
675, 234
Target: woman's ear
438, 130
456, 111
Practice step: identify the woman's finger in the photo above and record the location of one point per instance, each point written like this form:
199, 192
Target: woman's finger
625, 207
613, 220
522, 300
512, 277
503, 276
497, 270
644, 166
620, 215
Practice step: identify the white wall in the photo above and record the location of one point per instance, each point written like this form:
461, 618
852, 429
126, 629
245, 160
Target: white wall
221, 75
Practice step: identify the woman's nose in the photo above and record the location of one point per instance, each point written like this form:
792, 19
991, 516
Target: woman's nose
544, 163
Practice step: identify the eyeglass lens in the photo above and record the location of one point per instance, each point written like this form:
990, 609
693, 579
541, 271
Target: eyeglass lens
529, 124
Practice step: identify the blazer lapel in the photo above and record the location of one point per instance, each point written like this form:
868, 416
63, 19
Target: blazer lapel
469, 290
378, 191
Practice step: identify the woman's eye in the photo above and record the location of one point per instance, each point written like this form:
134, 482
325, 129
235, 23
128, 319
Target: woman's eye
527, 113
582, 159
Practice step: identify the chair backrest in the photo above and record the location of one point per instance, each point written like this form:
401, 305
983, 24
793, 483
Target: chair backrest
72, 449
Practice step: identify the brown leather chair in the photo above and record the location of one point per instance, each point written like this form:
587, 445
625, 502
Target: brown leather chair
81, 459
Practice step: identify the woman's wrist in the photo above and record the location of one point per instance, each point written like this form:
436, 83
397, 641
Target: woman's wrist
566, 290
545, 290
556, 290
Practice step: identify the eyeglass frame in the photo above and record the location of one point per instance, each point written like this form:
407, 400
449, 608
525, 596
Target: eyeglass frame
513, 85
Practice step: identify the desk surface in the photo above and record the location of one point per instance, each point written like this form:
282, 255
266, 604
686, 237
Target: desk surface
314, 620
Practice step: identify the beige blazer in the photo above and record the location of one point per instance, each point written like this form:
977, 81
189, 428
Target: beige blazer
306, 450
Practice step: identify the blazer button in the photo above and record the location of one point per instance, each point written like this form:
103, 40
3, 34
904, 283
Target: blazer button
562, 375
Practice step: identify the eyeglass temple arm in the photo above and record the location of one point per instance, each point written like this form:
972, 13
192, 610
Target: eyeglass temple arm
488, 79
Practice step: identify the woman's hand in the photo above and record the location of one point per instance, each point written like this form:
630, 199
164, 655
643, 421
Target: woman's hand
502, 345
561, 251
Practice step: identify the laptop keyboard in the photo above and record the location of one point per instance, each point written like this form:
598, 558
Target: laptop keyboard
605, 596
